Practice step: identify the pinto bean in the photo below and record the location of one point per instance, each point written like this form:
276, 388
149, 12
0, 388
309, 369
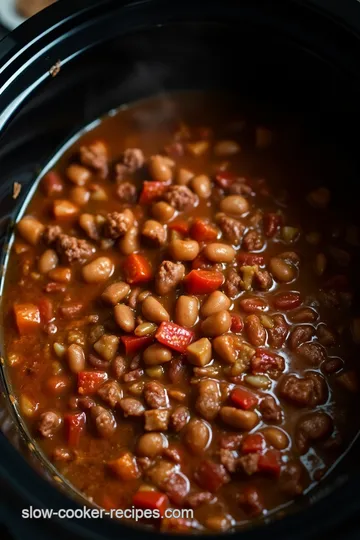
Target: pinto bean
124, 317
202, 186
30, 229
79, 195
77, 174
238, 418
151, 445
76, 358
219, 253
162, 211
116, 292
276, 437
48, 261
130, 242
311, 428
159, 168
156, 354
98, 270
154, 311
255, 331
216, 324
299, 335
281, 270
184, 250
217, 301
186, 311
234, 205
197, 435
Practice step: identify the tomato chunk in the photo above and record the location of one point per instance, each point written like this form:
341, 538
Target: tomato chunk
201, 231
225, 179
181, 226
250, 259
27, 317
236, 323
243, 399
174, 336
203, 281
90, 381
133, 344
211, 476
151, 500
74, 426
137, 269
272, 223
52, 183
46, 310
152, 191
253, 443
270, 462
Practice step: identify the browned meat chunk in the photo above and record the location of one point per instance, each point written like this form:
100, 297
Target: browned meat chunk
132, 407
231, 441
126, 192
49, 422
229, 459
176, 488
290, 480
249, 463
231, 228
104, 421
111, 393
251, 502
73, 249
240, 188
299, 335
133, 375
168, 276
154, 233
277, 334
253, 241
172, 454
155, 395
211, 476
181, 198
61, 454
95, 156
197, 499
208, 402
133, 297
157, 420
233, 284
312, 352
310, 428
325, 335
179, 418
118, 223
305, 392
119, 366
51, 234
160, 473
133, 159
270, 410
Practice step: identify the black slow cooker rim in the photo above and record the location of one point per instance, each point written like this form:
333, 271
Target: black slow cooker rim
15, 51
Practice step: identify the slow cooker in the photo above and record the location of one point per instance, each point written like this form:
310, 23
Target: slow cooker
74, 62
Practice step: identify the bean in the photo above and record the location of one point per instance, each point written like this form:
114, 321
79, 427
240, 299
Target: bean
183, 177
61, 275
98, 193
162, 211
143, 295
159, 169
216, 324
187, 311
28, 406
30, 229
238, 418
124, 317
107, 346
219, 253
276, 438
217, 301
234, 205
79, 195
156, 372
224, 347
256, 333
320, 264
258, 381
154, 233
151, 445
76, 358
156, 354
154, 311
201, 185
199, 352
98, 270
130, 242
197, 435
145, 329
115, 293
88, 224
304, 315
319, 198
281, 270
184, 250
197, 148
226, 148
77, 174
48, 261
64, 209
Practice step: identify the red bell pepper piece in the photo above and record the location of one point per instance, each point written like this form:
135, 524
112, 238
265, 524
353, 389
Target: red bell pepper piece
243, 399
253, 443
90, 381
181, 226
250, 259
211, 476
27, 318
74, 426
271, 222
174, 336
203, 281
137, 269
287, 300
46, 310
133, 344
266, 361
236, 323
152, 191
52, 183
270, 462
253, 305
201, 231
201, 263
151, 500
225, 179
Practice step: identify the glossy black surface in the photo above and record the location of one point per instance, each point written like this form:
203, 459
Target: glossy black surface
287, 60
